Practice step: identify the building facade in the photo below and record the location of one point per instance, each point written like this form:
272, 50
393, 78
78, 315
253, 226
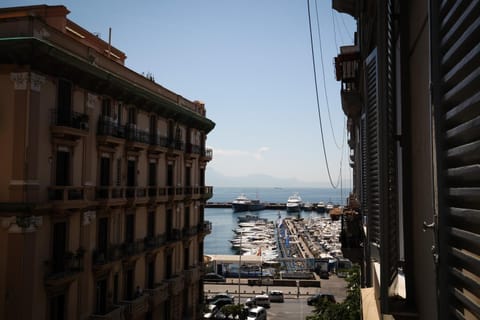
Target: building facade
410, 89
102, 184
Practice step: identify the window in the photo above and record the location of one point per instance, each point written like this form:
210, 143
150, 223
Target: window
151, 224
64, 102
57, 307
59, 242
62, 170
129, 228
132, 116
101, 296
106, 107
102, 235
129, 290
152, 173
151, 274
104, 171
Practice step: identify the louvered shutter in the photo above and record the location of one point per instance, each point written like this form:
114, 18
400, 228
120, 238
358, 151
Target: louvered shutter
455, 69
372, 193
382, 195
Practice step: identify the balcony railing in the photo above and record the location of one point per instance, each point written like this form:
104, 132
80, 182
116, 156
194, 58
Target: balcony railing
107, 193
65, 265
192, 148
136, 135
70, 194
205, 227
207, 153
158, 294
136, 308
347, 69
206, 192
175, 284
69, 119
116, 312
155, 242
158, 140
108, 127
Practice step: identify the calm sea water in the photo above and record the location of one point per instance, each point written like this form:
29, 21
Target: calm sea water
224, 220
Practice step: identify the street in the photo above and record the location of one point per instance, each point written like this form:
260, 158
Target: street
295, 306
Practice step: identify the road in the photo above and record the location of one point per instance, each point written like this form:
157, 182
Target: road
295, 306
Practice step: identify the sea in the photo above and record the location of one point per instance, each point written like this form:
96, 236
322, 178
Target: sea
224, 220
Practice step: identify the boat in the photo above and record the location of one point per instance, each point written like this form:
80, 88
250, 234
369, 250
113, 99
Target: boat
242, 203
320, 207
307, 206
329, 206
294, 203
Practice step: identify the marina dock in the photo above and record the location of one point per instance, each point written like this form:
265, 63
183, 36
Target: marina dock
268, 205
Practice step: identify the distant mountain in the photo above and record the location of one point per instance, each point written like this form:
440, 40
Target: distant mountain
215, 178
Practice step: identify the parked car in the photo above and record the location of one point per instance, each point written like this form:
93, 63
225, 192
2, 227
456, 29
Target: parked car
257, 313
275, 296
262, 300
312, 300
213, 277
220, 302
220, 295
212, 310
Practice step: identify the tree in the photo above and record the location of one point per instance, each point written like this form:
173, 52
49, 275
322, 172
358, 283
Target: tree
349, 309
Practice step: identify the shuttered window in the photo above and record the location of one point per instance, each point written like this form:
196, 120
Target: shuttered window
381, 155
456, 100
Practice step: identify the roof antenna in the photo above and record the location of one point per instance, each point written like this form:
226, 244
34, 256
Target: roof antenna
109, 40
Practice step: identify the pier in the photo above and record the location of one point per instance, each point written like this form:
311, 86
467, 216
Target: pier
268, 205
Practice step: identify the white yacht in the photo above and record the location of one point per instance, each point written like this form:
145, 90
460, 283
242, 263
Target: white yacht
294, 203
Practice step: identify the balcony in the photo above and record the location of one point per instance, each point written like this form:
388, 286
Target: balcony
175, 285
136, 139
109, 132
352, 236
65, 269
157, 194
192, 150
347, 68
157, 295
136, 308
157, 143
130, 249
104, 256
156, 242
205, 227
192, 275
70, 197
207, 154
206, 192
110, 196
117, 312
68, 124
136, 195
190, 231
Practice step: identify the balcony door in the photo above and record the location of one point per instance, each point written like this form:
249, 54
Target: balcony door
64, 102
102, 237
59, 242
131, 172
101, 297
62, 170
57, 307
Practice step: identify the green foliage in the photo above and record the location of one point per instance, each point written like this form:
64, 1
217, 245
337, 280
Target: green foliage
346, 310
234, 311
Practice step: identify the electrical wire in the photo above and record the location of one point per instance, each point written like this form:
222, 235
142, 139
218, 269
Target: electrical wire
318, 101
323, 75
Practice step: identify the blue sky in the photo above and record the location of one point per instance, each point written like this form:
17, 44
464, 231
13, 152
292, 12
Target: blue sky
250, 62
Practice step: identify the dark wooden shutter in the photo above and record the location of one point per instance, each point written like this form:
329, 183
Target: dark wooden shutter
372, 164
455, 42
382, 194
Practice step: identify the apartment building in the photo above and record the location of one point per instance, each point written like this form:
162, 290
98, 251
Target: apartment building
102, 184
410, 89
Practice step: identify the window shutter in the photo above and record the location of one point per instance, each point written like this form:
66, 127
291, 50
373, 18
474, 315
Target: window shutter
372, 156
455, 68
